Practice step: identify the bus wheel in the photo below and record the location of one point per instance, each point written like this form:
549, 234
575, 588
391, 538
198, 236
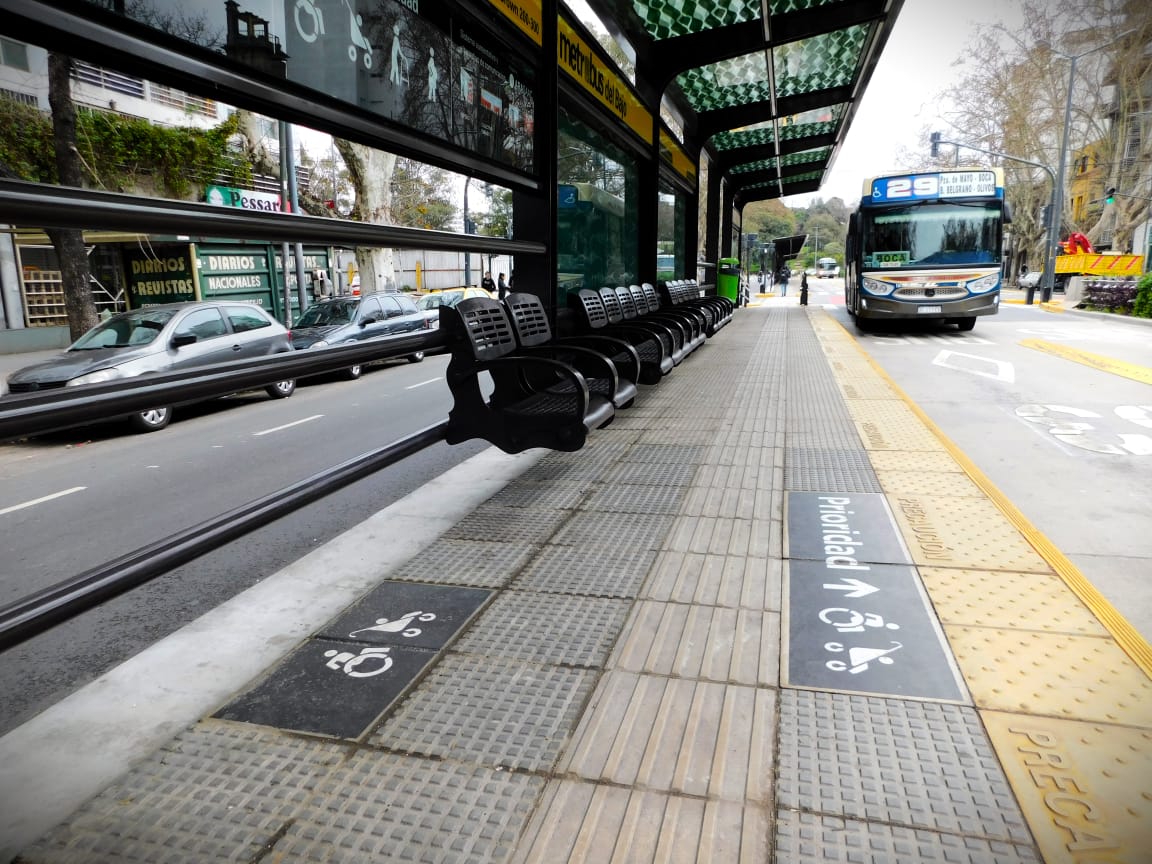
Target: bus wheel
965, 324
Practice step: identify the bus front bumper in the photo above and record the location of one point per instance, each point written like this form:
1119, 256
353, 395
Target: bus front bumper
970, 307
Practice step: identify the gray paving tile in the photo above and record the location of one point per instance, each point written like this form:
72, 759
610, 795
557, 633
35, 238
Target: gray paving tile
547, 628
466, 562
496, 524
489, 711
382, 807
916, 764
589, 571
217, 792
614, 532
812, 838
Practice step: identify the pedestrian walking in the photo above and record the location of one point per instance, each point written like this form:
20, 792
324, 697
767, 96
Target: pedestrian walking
502, 286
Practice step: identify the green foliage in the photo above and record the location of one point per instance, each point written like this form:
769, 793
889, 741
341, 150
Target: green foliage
497, 222
421, 196
120, 153
1142, 308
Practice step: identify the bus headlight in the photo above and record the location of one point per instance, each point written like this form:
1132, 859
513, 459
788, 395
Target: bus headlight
883, 289
984, 283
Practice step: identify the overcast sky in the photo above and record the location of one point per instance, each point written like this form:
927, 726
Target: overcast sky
900, 99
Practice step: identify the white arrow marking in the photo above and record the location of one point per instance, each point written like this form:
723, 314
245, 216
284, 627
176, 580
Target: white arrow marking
855, 587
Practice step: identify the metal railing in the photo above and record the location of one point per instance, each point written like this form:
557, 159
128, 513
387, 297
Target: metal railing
34, 413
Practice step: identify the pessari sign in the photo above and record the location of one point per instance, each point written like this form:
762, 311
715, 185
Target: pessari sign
245, 199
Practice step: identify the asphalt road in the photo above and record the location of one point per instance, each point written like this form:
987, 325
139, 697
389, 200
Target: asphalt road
115, 492
1070, 445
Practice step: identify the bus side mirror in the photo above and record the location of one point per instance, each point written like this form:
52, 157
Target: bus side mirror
1007, 213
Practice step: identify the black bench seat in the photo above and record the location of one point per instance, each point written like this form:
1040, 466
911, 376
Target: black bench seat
521, 412
611, 367
593, 318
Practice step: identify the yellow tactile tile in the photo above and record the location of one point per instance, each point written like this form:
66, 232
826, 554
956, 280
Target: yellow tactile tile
863, 388
962, 532
1085, 789
920, 461
944, 484
1052, 674
1027, 601
887, 424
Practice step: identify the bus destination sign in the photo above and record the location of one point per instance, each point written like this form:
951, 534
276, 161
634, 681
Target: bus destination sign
924, 187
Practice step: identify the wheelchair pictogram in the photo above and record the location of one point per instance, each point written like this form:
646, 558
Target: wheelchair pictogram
349, 663
851, 621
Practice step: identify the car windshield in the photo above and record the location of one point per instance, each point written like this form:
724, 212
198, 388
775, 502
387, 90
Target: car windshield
442, 298
126, 330
324, 314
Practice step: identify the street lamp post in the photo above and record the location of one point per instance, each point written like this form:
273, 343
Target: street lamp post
1055, 213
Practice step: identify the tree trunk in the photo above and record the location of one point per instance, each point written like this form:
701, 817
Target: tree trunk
69, 242
371, 174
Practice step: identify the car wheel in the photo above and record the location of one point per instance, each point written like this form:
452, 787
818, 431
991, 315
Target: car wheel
965, 324
352, 372
281, 389
152, 420
416, 358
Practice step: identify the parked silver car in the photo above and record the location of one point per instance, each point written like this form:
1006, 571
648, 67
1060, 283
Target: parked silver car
165, 338
345, 320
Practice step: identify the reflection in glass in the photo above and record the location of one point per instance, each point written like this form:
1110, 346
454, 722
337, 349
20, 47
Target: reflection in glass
596, 208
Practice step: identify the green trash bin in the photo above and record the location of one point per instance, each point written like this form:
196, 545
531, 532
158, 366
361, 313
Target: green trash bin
728, 278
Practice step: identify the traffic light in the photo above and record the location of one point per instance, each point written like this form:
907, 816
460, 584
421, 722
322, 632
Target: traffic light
935, 139
1110, 195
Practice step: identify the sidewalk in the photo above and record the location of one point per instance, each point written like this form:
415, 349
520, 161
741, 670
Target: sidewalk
768, 615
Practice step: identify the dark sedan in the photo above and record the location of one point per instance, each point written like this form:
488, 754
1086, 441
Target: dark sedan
166, 338
344, 320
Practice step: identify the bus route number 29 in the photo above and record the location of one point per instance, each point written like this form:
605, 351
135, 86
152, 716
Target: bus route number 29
906, 187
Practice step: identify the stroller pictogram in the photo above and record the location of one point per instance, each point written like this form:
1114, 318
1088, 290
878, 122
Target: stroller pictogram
859, 659
399, 625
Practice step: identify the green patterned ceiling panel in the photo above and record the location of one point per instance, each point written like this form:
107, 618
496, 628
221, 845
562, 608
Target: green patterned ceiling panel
820, 154
781, 7
737, 81
770, 184
749, 136
664, 19
762, 165
801, 178
824, 61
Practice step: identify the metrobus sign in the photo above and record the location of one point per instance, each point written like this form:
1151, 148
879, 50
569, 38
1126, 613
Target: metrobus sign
245, 199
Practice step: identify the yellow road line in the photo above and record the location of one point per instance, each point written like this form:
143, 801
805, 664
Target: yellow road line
1126, 636
1097, 361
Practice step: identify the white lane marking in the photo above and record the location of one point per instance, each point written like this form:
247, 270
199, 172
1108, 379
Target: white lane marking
36, 501
997, 370
422, 383
287, 425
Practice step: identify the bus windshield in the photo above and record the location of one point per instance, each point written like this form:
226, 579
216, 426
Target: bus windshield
931, 234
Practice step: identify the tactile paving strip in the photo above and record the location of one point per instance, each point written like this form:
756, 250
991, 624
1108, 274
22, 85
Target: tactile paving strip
737, 646
963, 532
814, 469
675, 454
613, 533
217, 792
650, 473
719, 537
559, 496
717, 502
547, 628
812, 838
1058, 674
937, 462
863, 388
677, 735
916, 764
942, 485
1026, 601
890, 425
466, 562
716, 580
634, 498
577, 570
384, 807
494, 712
1086, 788
582, 823
508, 525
